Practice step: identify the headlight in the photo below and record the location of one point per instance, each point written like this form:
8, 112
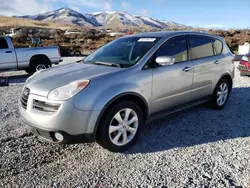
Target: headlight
68, 91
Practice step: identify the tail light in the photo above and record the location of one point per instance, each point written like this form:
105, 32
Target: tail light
245, 61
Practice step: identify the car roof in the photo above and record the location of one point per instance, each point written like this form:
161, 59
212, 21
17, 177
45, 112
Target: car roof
173, 33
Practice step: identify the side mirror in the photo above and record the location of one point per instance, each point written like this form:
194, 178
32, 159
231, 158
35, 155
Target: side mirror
83, 57
165, 60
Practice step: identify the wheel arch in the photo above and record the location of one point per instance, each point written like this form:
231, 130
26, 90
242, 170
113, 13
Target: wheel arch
39, 56
228, 78
129, 96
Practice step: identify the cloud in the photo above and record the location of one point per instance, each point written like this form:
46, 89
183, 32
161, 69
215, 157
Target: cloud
19, 7
105, 4
32, 7
144, 12
214, 26
125, 5
75, 8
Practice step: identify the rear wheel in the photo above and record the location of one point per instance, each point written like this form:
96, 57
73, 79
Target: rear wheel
120, 126
221, 94
37, 64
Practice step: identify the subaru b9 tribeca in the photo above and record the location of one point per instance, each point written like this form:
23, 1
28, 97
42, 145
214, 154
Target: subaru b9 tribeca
126, 83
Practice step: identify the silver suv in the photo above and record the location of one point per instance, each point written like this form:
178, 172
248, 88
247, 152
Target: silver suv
116, 90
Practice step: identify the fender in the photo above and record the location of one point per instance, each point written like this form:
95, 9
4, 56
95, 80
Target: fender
115, 99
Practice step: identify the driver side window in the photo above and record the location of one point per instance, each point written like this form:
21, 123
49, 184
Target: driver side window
176, 47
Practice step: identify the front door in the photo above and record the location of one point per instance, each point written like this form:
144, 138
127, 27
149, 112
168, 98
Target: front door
7, 56
172, 85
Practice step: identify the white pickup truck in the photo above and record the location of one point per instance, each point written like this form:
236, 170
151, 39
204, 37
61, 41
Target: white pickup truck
28, 59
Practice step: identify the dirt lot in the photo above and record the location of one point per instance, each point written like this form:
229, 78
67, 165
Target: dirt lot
199, 147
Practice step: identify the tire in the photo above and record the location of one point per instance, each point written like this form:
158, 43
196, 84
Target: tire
44, 63
106, 136
223, 87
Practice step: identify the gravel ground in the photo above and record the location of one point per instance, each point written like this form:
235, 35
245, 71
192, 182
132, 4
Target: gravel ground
198, 147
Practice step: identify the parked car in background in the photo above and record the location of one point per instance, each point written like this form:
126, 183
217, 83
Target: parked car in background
244, 65
69, 51
72, 32
10, 33
125, 84
28, 59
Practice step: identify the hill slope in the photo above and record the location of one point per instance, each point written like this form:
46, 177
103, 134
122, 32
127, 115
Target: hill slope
21, 22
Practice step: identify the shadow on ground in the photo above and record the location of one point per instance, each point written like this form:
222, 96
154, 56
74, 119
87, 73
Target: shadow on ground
16, 79
198, 125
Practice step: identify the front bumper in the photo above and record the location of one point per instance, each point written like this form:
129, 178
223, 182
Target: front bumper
49, 135
75, 125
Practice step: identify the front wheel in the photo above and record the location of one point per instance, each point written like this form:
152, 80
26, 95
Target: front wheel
120, 126
221, 94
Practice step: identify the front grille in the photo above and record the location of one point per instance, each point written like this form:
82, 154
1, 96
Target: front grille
45, 106
25, 97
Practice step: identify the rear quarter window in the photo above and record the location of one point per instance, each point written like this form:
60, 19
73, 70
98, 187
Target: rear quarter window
201, 47
218, 46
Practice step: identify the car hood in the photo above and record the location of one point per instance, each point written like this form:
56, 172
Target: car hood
42, 83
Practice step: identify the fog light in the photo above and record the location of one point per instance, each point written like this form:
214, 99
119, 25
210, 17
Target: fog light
59, 136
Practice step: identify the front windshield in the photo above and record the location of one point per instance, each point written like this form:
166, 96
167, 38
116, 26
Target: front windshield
125, 52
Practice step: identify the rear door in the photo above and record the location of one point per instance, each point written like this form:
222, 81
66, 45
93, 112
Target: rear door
172, 85
7, 56
206, 65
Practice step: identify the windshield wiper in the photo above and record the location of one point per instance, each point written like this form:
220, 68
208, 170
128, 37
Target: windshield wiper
107, 64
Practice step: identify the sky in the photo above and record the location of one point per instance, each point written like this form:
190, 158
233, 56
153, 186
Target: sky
202, 13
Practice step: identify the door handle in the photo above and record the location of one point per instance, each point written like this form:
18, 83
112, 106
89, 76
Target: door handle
186, 69
217, 62
8, 52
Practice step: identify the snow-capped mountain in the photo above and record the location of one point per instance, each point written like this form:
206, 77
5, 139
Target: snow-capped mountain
115, 18
65, 15
107, 19
174, 24
121, 18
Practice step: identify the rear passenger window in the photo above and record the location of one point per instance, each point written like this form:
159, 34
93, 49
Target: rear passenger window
3, 43
201, 47
217, 47
176, 47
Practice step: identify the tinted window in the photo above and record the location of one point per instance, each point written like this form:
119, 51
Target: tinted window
176, 47
201, 47
3, 44
217, 46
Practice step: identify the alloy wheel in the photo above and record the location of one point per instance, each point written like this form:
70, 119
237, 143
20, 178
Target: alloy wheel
123, 127
222, 94
40, 67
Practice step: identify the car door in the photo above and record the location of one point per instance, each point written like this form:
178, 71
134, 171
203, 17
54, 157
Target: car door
205, 65
172, 84
8, 59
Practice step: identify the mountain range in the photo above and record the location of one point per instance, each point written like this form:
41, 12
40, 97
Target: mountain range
105, 19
